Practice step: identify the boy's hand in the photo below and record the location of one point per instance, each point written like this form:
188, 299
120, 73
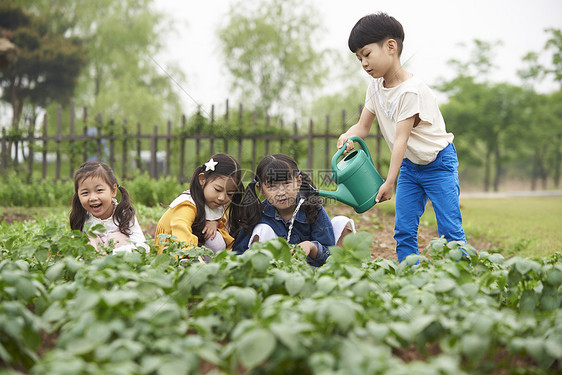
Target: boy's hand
210, 230
385, 192
341, 140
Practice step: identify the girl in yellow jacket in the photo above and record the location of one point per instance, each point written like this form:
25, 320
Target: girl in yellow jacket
208, 213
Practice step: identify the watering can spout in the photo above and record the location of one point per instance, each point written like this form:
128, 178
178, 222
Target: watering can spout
341, 194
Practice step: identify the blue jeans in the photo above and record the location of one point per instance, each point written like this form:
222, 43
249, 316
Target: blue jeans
437, 181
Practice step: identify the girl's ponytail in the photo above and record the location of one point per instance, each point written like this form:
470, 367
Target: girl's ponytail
124, 212
250, 207
312, 203
196, 191
78, 214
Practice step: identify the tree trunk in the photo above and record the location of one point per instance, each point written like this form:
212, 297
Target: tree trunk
557, 161
16, 101
543, 171
534, 171
97, 80
540, 167
487, 169
544, 181
498, 168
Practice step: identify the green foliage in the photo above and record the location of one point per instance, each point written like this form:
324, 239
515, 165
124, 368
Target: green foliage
143, 190
494, 112
122, 78
554, 43
267, 311
243, 124
15, 191
535, 70
269, 47
349, 96
153, 192
492, 120
48, 62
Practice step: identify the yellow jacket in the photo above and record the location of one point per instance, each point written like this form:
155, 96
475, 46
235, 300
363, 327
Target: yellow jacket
177, 221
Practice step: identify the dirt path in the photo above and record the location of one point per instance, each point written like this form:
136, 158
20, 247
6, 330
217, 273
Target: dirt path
382, 227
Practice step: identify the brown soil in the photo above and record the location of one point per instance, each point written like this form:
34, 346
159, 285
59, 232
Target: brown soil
381, 225
11, 217
411, 353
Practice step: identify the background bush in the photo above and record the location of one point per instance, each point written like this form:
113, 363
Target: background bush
16, 191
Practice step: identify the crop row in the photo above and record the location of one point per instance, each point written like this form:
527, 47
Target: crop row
66, 310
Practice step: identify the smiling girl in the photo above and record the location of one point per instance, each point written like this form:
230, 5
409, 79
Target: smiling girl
94, 202
207, 213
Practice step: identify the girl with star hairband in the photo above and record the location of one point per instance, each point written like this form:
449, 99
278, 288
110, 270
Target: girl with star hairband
208, 213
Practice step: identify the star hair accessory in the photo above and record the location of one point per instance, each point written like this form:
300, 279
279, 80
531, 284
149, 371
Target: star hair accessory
210, 165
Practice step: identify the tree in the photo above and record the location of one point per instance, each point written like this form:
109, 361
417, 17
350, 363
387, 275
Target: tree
479, 66
536, 71
546, 111
483, 116
271, 51
348, 84
48, 63
122, 79
554, 43
481, 113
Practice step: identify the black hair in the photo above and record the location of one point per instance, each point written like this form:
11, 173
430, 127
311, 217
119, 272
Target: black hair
124, 211
376, 28
271, 169
226, 166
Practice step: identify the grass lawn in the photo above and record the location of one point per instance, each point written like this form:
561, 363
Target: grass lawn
528, 227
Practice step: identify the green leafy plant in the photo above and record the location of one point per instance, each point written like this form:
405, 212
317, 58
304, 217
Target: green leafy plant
65, 308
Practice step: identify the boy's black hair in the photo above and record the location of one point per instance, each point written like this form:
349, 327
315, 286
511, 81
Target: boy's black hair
375, 28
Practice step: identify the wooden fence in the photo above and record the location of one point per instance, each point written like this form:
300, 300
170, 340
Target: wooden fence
173, 152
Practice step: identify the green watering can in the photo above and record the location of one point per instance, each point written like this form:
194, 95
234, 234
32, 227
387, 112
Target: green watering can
357, 178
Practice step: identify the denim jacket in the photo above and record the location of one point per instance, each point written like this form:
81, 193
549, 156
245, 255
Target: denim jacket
320, 232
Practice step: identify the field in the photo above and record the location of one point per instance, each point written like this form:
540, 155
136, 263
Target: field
528, 227
64, 309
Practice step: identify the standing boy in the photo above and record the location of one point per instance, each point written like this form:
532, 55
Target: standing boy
413, 127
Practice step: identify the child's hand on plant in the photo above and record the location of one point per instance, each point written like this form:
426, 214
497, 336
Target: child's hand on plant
210, 230
309, 249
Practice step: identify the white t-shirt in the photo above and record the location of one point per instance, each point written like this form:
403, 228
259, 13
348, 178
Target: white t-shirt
411, 97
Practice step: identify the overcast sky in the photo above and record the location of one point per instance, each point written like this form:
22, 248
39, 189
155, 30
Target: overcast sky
433, 29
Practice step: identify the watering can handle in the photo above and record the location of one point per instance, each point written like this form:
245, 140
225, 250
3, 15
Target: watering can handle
342, 150
363, 146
